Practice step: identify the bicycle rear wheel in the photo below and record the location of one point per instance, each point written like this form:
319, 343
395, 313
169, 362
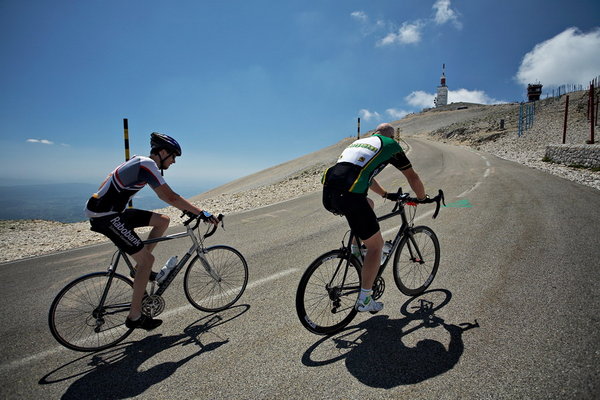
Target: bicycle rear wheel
416, 261
217, 280
327, 293
79, 322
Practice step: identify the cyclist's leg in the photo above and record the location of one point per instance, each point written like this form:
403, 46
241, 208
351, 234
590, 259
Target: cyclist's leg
374, 246
136, 319
358, 210
144, 260
120, 229
159, 224
372, 260
138, 218
355, 241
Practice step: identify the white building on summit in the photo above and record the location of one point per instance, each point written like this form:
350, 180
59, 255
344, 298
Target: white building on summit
442, 91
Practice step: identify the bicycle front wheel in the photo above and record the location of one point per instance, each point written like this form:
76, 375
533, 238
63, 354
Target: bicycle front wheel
80, 321
416, 261
217, 280
327, 293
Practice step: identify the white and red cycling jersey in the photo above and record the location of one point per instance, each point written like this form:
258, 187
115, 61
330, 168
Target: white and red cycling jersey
122, 184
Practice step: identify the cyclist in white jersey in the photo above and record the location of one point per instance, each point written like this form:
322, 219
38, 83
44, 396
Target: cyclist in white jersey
109, 215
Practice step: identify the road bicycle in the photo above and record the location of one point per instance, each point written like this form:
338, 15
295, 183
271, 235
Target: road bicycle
89, 313
330, 286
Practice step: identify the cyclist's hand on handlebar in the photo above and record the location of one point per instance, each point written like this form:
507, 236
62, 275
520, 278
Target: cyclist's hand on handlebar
426, 200
392, 196
208, 218
203, 216
398, 196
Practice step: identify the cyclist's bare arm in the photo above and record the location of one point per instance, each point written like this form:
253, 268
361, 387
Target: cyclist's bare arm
415, 182
377, 188
166, 194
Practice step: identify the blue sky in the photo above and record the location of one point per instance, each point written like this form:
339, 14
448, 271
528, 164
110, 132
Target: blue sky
245, 85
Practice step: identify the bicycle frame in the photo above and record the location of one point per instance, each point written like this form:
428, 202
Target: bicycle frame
88, 313
197, 248
331, 283
402, 231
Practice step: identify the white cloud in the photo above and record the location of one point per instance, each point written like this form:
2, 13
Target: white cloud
366, 26
471, 96
408, 33
421, 99
443, 13
359, 15
368, 115
396, 114
569, 57
43, 141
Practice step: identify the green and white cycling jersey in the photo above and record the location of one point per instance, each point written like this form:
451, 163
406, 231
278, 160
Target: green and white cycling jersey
362, 161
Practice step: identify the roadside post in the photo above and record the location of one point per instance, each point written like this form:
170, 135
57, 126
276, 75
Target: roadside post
564, 138
126, 139
591, 113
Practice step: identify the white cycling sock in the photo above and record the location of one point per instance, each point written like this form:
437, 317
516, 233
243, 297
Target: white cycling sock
364, 293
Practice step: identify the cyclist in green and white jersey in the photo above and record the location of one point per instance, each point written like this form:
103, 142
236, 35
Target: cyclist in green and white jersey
345, 187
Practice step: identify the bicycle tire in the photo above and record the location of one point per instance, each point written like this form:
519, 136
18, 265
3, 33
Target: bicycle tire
221, 289
77, 322
327, 310
413, 273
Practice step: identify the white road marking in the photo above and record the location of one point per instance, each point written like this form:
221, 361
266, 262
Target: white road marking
58, 349
486, 173
251, 285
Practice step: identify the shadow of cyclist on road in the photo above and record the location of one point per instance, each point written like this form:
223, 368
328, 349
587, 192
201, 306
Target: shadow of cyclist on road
117, 374
385, 353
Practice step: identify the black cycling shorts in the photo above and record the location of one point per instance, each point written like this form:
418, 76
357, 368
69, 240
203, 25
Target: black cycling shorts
355, 208
119, 228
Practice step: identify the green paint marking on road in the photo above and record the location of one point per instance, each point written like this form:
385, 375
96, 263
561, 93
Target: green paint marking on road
460, 204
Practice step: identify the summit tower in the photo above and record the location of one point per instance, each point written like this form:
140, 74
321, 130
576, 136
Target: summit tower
442, 91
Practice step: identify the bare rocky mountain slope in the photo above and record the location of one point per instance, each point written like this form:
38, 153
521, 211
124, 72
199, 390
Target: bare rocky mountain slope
464, 124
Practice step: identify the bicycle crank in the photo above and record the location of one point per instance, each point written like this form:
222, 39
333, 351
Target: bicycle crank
153, 305
378, 288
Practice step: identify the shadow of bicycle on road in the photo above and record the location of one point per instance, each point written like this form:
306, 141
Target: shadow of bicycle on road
384, 353
117, 373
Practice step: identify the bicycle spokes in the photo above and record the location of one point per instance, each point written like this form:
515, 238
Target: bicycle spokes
327, 292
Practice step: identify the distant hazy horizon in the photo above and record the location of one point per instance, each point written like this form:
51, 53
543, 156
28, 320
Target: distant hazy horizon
64, 202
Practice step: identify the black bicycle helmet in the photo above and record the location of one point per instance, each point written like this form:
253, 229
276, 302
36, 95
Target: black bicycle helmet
159, 141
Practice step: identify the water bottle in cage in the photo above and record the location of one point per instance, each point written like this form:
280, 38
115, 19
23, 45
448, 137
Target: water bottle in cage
164, 271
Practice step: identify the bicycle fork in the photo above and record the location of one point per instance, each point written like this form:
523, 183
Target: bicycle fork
201, 251
208, 268
413, 249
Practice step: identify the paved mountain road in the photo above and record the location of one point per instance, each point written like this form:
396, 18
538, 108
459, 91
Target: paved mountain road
515, 305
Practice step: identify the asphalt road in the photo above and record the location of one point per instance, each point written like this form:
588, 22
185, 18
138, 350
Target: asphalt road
515, 305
